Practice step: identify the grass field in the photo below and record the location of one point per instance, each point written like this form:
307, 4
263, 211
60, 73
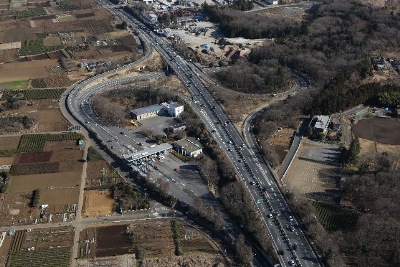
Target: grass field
15, 85
33, 47
93, 155
334, 218
30, 12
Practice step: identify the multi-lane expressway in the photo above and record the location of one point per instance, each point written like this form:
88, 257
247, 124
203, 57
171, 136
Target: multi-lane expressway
256, 176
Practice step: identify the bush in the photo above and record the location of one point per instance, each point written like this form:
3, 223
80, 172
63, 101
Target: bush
93, 155
35, 198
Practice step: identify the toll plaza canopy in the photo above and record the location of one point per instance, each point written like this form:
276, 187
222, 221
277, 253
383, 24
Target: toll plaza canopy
148, 152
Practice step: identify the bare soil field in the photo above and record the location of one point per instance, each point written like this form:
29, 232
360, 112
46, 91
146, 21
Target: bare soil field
59, 196
58, 146
127, 260
372, 149
94, 169
49, 117
192, 260
51, 41
35, 168
155, 239
49, 237
26, 70
9, 142
10, 34
6, 160
31, 157
113, 240
15, 207
98, 203
28, 183
66, 154
8, 55
380, 130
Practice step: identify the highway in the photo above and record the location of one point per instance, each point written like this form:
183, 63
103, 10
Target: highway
256, 176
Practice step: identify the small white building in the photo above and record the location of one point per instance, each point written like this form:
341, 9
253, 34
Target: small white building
320, 123
272, 2
174, 109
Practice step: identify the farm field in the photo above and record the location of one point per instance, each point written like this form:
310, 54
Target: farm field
380, 130
59, 197
98, 203
150, 239
9, 142
50, 121
334, 218
52, 247
14, 208
197, 260
28, 183
100, 175
15, 85
36, 142
26, 70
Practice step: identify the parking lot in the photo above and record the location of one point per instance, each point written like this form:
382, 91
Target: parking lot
313, 179
156, 124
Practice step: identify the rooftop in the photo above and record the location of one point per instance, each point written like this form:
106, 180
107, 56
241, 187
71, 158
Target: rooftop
321, 121
149, 151
148, 109
188, 145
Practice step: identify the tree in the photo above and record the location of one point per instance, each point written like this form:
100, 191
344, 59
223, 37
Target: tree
350, 156
245, 253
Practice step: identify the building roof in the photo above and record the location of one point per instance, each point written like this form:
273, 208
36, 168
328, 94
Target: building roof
321, 122
148, 151
188, 145
176, 105
148, 109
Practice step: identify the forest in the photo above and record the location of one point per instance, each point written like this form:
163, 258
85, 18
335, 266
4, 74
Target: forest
335, 41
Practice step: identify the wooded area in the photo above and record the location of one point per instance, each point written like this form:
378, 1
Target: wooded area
334, 43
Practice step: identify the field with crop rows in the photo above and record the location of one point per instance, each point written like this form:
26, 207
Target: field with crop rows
334, 218
32, 157
34, 93
36, 142
58, 256
18, 240
35, 168
30, 12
